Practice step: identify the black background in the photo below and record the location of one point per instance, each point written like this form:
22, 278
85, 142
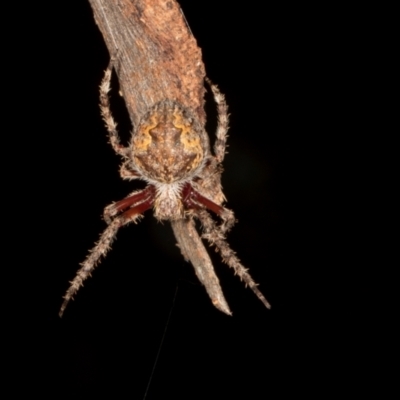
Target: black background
271, 65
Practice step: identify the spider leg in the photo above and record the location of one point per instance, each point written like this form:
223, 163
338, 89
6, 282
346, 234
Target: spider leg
223, 122
193, 199
216, 237
127, 172
101, 248
106, 112
132, 200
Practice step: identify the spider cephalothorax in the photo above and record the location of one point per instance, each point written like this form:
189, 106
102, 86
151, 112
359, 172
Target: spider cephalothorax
169, 150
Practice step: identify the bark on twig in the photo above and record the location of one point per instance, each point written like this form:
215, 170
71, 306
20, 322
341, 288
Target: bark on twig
158, 56
193, 249
158, 59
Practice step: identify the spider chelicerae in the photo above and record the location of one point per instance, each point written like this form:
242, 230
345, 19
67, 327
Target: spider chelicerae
170, 150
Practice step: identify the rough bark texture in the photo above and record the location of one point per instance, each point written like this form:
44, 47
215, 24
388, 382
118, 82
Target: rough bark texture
193, 249
158, 59
158, 56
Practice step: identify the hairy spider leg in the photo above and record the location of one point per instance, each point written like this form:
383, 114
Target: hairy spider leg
103, 245
133, 212
223, 122
106, 112
193, 199
216, 234
127, 172
215, 237
132, 200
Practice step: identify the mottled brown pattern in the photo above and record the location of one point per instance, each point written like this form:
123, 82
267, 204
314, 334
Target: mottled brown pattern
170, 144
158, 55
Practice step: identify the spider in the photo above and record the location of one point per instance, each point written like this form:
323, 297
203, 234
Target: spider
169, 150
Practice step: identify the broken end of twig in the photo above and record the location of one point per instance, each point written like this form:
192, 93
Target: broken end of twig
222, 305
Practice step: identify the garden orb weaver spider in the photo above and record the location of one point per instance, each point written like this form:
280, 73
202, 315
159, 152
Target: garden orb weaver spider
170, 150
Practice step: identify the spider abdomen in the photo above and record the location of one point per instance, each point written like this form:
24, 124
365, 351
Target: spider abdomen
169, 144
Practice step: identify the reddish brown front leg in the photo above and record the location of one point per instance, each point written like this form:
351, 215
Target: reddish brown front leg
193, 199
140, 208
137, 198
